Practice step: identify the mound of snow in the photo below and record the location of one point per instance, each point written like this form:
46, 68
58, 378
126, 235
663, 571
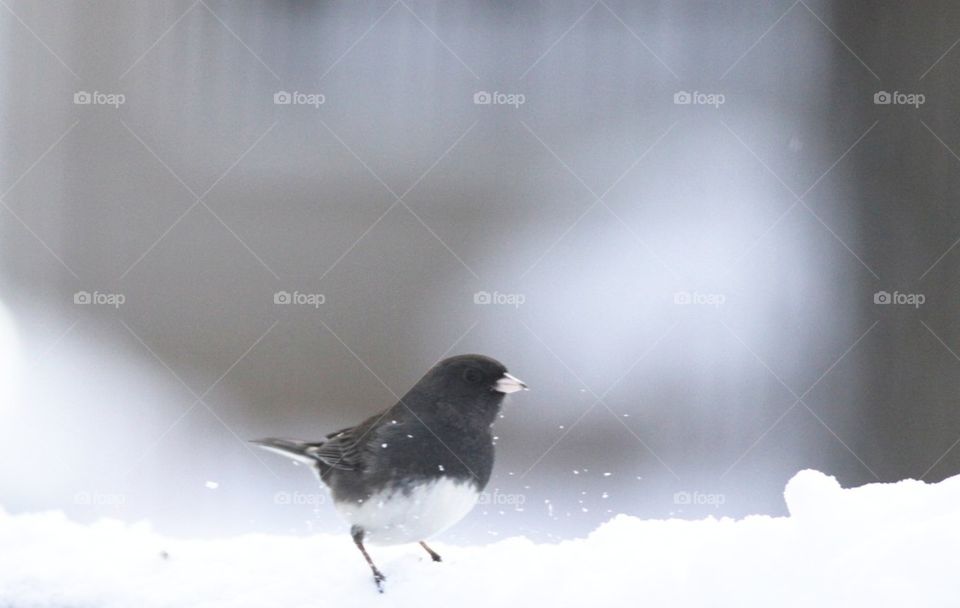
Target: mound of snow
877, 545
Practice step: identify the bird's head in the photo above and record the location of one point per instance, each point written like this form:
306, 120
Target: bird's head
470, 377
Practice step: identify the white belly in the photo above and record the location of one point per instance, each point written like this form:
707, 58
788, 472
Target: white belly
391, 517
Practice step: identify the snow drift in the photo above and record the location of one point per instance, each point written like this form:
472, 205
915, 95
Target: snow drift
876, 545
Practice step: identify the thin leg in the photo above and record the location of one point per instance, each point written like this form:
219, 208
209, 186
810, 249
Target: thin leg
433, 554
378, 577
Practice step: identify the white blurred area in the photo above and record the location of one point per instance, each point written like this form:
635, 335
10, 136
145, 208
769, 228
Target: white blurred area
11, 363
78, 415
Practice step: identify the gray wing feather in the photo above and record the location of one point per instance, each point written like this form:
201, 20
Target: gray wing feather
342, 450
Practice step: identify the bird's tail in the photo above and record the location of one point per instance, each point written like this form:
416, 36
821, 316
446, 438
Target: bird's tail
291, 448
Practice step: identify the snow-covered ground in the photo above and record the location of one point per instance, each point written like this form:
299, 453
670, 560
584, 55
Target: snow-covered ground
877, 545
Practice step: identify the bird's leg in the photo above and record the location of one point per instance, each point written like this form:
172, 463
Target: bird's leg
433, 554
378, 577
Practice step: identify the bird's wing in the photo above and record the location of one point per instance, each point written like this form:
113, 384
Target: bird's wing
343, 449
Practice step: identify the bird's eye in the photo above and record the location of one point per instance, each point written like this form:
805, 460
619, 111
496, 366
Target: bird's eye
472, 375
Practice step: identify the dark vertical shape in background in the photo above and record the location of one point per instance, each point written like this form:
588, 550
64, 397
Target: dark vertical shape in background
906, 193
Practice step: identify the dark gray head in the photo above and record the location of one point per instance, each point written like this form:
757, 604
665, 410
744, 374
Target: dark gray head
468, 378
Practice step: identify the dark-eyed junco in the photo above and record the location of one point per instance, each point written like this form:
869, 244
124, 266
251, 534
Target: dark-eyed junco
417, 468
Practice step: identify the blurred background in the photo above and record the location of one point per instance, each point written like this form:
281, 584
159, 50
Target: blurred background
718, 240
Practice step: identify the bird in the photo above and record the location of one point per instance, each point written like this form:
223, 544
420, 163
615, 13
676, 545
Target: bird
413, 470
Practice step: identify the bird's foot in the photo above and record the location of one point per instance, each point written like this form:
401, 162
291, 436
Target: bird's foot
433, 554
378, 579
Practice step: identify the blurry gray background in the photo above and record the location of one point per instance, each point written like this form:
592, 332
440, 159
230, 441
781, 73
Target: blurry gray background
698, 317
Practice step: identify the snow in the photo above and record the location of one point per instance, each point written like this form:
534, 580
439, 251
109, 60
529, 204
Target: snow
876, 545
